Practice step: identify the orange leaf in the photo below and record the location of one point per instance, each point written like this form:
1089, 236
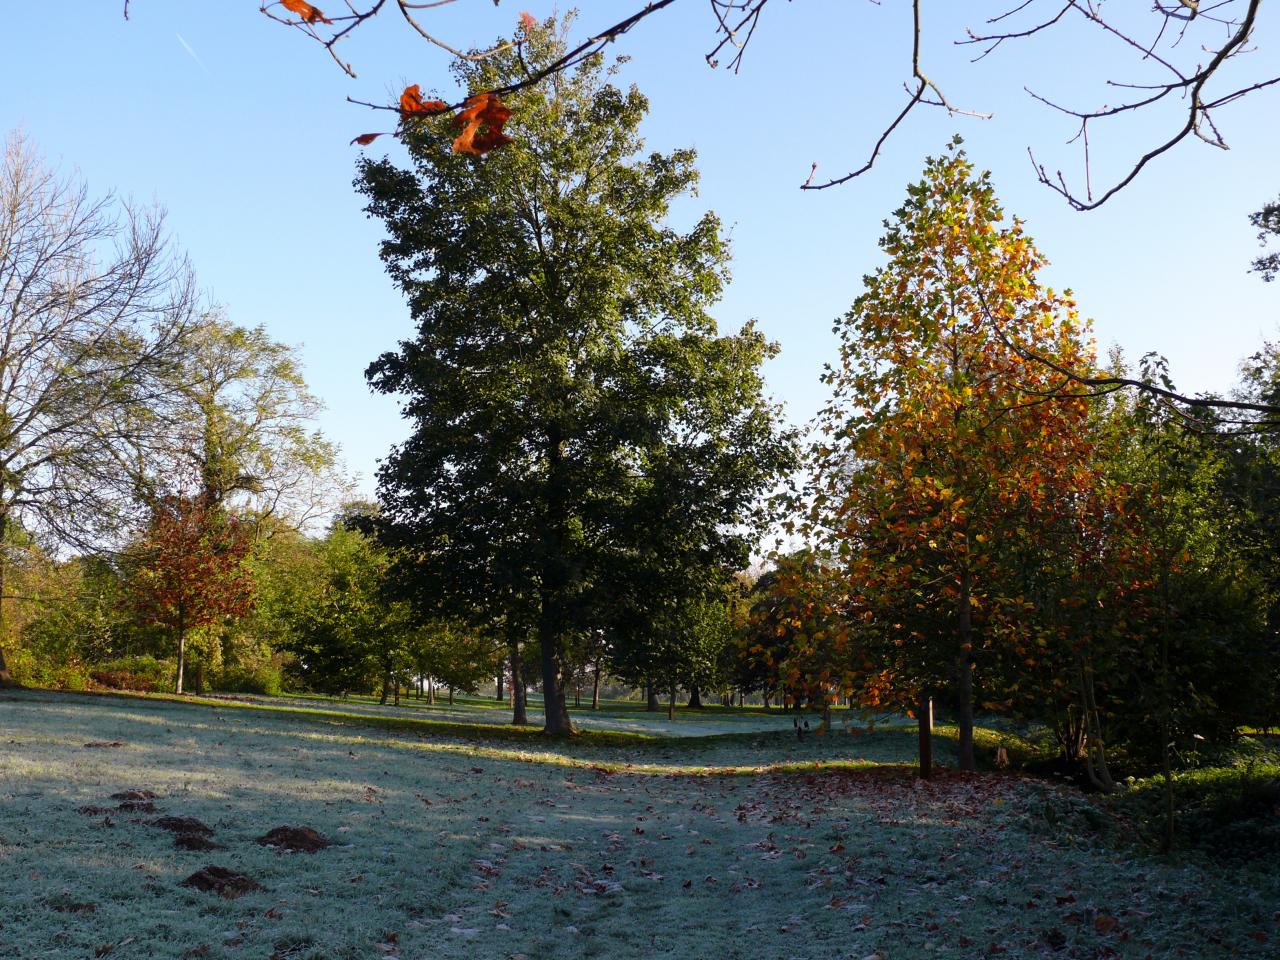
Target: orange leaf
305, 11
527, 21
482, 111
367, 138
1105, 923
411, 102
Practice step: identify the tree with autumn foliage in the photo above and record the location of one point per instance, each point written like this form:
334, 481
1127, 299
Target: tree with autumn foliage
569, 395
943, 441
190, 569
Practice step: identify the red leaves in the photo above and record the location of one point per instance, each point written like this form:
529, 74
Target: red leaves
481, 120
411, 102
527, 21
305, 11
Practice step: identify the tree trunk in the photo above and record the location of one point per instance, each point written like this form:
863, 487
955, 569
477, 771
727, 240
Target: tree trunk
766, 699
396, 689
451, 694
964, 671
431, 691
671, 703
577, 695
555, 582
6, 679
924, 718
497, 695
386, 686
519, 702
182, 653
199, 677
595, 689
651, 695
695, 698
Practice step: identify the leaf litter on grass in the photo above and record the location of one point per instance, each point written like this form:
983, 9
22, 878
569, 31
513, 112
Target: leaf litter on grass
567, 852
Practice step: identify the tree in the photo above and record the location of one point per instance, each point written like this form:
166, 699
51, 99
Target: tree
93, 306
239, 418
1267, 220
942, 442
191, 571
565, 364
1181, 51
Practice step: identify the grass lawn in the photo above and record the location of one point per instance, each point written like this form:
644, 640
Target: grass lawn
742, 844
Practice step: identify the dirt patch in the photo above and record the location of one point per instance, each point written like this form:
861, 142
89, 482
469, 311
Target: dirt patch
194, 841
91, 810
223, 882
294, 839
183, 825
67, 906
104, 744
135, 795
137, 806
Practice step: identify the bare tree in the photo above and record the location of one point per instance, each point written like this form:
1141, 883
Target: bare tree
1181, 54
94, 306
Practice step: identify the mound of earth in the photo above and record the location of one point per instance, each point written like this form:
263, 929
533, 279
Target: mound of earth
135, 795
182, 825
104, 744
92, 810
294, 839
137, 806
223, 882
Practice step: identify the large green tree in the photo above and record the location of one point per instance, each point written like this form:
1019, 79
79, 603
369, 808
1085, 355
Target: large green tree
567, 387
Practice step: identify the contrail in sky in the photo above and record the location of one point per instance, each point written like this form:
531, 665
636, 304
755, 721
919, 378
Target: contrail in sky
187, 47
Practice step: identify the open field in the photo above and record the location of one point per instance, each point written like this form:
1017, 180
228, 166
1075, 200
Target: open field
746, 845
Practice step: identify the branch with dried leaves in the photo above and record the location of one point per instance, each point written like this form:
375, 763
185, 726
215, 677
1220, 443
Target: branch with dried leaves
1213, 33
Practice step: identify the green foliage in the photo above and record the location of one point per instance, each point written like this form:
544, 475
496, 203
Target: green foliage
1267, 220
1225, 813
142, 673
578, 423
264, 678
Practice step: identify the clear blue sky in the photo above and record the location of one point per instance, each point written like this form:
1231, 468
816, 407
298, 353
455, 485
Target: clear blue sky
240, 128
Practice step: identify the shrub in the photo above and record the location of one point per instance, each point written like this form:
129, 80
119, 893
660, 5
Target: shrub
262, 678
145, 674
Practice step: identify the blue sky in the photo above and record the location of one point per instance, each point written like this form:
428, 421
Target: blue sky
240, 128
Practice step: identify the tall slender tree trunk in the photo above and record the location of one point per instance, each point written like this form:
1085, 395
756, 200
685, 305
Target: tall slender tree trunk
964, 671
451, 694
6, 679
431, 691
182, 652
595, 688
671, 703
924, 718
555, 582
519, 702
651, 697
695, 698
